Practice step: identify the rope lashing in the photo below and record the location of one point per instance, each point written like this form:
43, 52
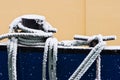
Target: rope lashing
80, 40
87, 62
19, 34
22, 34
48, 42
92, 42
98, 60
91, 57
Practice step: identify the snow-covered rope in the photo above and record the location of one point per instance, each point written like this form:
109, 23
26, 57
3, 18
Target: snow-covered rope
85, 38
50, 52
12, 58
9, 35
98, 68
45, 56
20, 34
95, 41
91, 41
52, 59
87, 62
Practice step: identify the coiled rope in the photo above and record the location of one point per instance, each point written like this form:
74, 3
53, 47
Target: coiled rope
19, 34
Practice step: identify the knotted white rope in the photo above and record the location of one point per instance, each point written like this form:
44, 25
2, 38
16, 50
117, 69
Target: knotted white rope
51, 53
98, 60
87, 62
20, 34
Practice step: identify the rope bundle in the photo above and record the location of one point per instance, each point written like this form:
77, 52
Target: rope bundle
51, 52
20, 34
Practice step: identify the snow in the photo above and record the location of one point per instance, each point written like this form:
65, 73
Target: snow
33, 16
86, 38
112, 48
28, 16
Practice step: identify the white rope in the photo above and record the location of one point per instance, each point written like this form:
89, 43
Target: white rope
85, 38
45, 58
8, 35
34, 37
98, 68
52, 59
87, 62
28, 37
51, 50
12, 58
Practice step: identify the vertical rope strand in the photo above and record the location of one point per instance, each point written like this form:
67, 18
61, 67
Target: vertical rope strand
50, 50
98, 68
27, 36
12, 59
45, 58
55, 53
52, 59
10, 48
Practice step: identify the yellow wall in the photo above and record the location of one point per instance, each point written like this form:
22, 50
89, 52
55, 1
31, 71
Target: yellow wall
86, 17
65, 15
103, 16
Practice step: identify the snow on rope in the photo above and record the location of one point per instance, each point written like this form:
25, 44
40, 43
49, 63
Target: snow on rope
50, 52
98, 68
12, 61
21, 34
88, 61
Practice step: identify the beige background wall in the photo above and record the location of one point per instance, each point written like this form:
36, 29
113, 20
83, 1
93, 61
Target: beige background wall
103, 16
85, 17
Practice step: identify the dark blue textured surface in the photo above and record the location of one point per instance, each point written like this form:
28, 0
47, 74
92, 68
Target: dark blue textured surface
29, 66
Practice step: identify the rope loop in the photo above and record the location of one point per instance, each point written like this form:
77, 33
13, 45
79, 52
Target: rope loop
40, 33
